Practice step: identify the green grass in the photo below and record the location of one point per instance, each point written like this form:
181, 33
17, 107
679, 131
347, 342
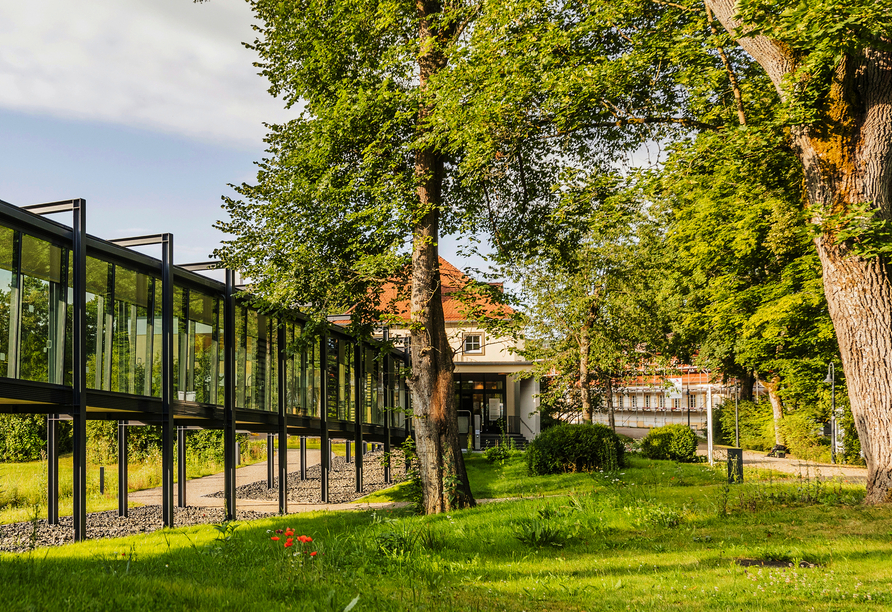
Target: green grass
23, 485
338, 448
654, 536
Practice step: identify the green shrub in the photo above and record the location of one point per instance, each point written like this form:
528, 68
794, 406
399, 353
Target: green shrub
802, 436
23, 437
672, 442
575, 448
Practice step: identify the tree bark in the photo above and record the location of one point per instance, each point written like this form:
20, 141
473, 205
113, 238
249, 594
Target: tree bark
611, 419
441, 464
777, 407
847, 159
584, 376
746, 381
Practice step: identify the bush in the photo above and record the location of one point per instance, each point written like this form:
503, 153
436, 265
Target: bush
575, 448
672, 442
23, 437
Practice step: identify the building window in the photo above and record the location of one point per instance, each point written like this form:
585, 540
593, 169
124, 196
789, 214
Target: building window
634, 399
676, 403
692, 401
647, 402
473, 344
662, 402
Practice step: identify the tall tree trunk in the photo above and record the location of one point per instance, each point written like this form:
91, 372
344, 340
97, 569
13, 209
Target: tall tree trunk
611, 419
584, 376
847, 159
777, 407
746, 382
443, 476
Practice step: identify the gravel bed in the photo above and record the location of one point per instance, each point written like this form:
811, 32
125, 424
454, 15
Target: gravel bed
20, 537
341, 481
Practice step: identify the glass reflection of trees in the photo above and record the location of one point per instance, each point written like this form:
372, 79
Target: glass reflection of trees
123, 339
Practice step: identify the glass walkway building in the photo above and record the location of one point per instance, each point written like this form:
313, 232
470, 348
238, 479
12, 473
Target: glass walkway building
91, 329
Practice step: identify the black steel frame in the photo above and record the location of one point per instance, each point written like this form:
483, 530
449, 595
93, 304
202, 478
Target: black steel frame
78, 403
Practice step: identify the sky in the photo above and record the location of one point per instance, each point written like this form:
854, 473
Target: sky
148, 109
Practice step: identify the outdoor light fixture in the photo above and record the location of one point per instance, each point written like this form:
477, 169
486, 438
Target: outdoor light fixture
831, 378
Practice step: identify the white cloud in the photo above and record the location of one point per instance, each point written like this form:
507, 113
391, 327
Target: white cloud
168, 65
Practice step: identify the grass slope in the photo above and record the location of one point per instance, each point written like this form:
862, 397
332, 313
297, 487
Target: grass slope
655, 535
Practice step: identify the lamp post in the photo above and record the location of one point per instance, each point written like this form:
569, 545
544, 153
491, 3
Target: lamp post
831, 378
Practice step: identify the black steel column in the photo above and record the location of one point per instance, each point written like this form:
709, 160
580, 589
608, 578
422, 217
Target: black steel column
181, 467
283, 423
388, 406
122, 468
270, 460
324, 445
229, 396
79, 368
303, 457
348, 445
167, 426
359, 373
52, 469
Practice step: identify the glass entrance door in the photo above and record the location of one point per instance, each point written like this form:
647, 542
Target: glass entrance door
483, 395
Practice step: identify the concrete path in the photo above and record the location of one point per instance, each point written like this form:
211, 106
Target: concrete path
788, 465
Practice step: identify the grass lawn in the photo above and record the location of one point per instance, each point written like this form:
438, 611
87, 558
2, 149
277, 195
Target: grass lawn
23, 485
655, 535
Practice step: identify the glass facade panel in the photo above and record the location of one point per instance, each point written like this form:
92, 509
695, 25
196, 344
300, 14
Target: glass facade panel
123, 340
198, 352
8, 301
43, 308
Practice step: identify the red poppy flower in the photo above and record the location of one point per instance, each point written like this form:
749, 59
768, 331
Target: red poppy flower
309, 539
289, 543
275, 538
289, 532
313, 554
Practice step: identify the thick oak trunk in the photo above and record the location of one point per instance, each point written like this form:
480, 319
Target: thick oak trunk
441, 464
847, 158
747, 381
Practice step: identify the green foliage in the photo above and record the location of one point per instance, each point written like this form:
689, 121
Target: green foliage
575, 448
539, 533
671, 442
412, 489
22, 437
802, 435
756, 424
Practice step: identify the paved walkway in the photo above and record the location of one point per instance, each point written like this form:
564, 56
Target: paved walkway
789, 465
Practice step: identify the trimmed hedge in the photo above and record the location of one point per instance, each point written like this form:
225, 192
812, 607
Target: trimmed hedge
672, 442
575, 448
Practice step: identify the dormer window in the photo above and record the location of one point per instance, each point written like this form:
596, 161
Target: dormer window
473, 344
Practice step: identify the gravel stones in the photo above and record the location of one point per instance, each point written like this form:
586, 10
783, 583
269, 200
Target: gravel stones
20, 537
341, 481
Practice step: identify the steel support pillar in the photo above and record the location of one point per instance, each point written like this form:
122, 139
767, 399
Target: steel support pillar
303, 457
388, 407
324, 444
229, 459
52, 469
283, 420
167, 425
79, 368
181, 467
122, 469
270, 460
348, 445
359, 373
